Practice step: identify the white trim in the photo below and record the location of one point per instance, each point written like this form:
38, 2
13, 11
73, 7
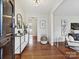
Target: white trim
55, 7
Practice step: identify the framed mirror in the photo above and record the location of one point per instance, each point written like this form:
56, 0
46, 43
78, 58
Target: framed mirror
19, 21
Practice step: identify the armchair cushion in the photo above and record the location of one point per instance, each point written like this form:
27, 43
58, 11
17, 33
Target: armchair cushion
75, 36
76, 31
71, 41
71, 38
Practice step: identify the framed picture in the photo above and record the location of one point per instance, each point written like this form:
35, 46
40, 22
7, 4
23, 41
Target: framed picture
43, 24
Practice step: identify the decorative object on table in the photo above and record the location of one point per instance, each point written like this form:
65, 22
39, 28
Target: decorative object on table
44, 40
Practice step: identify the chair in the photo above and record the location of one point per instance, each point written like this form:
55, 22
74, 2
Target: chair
72, 43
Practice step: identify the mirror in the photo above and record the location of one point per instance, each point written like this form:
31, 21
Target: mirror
19, 21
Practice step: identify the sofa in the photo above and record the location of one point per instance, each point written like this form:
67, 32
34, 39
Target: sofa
73, 41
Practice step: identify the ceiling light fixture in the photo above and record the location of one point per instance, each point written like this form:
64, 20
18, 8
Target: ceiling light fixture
36, 2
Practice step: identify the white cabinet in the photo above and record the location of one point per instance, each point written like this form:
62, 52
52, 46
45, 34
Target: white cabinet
19, 46
17, 40
26, 38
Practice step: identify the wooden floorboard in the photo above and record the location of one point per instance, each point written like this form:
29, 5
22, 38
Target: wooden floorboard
38, 51
67, 52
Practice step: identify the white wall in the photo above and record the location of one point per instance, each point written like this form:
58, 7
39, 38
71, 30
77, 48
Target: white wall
32, 21
57, 28
49, 26
34, 26
50, 30
57, 25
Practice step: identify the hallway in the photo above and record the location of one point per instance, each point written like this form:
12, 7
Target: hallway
39, 51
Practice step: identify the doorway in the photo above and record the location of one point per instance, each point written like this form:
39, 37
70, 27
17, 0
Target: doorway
32, 23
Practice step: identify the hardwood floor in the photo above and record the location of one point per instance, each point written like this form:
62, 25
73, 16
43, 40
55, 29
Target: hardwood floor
39, 51
68, 52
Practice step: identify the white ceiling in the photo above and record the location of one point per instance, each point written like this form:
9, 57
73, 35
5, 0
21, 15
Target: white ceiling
44, 7
68, 8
